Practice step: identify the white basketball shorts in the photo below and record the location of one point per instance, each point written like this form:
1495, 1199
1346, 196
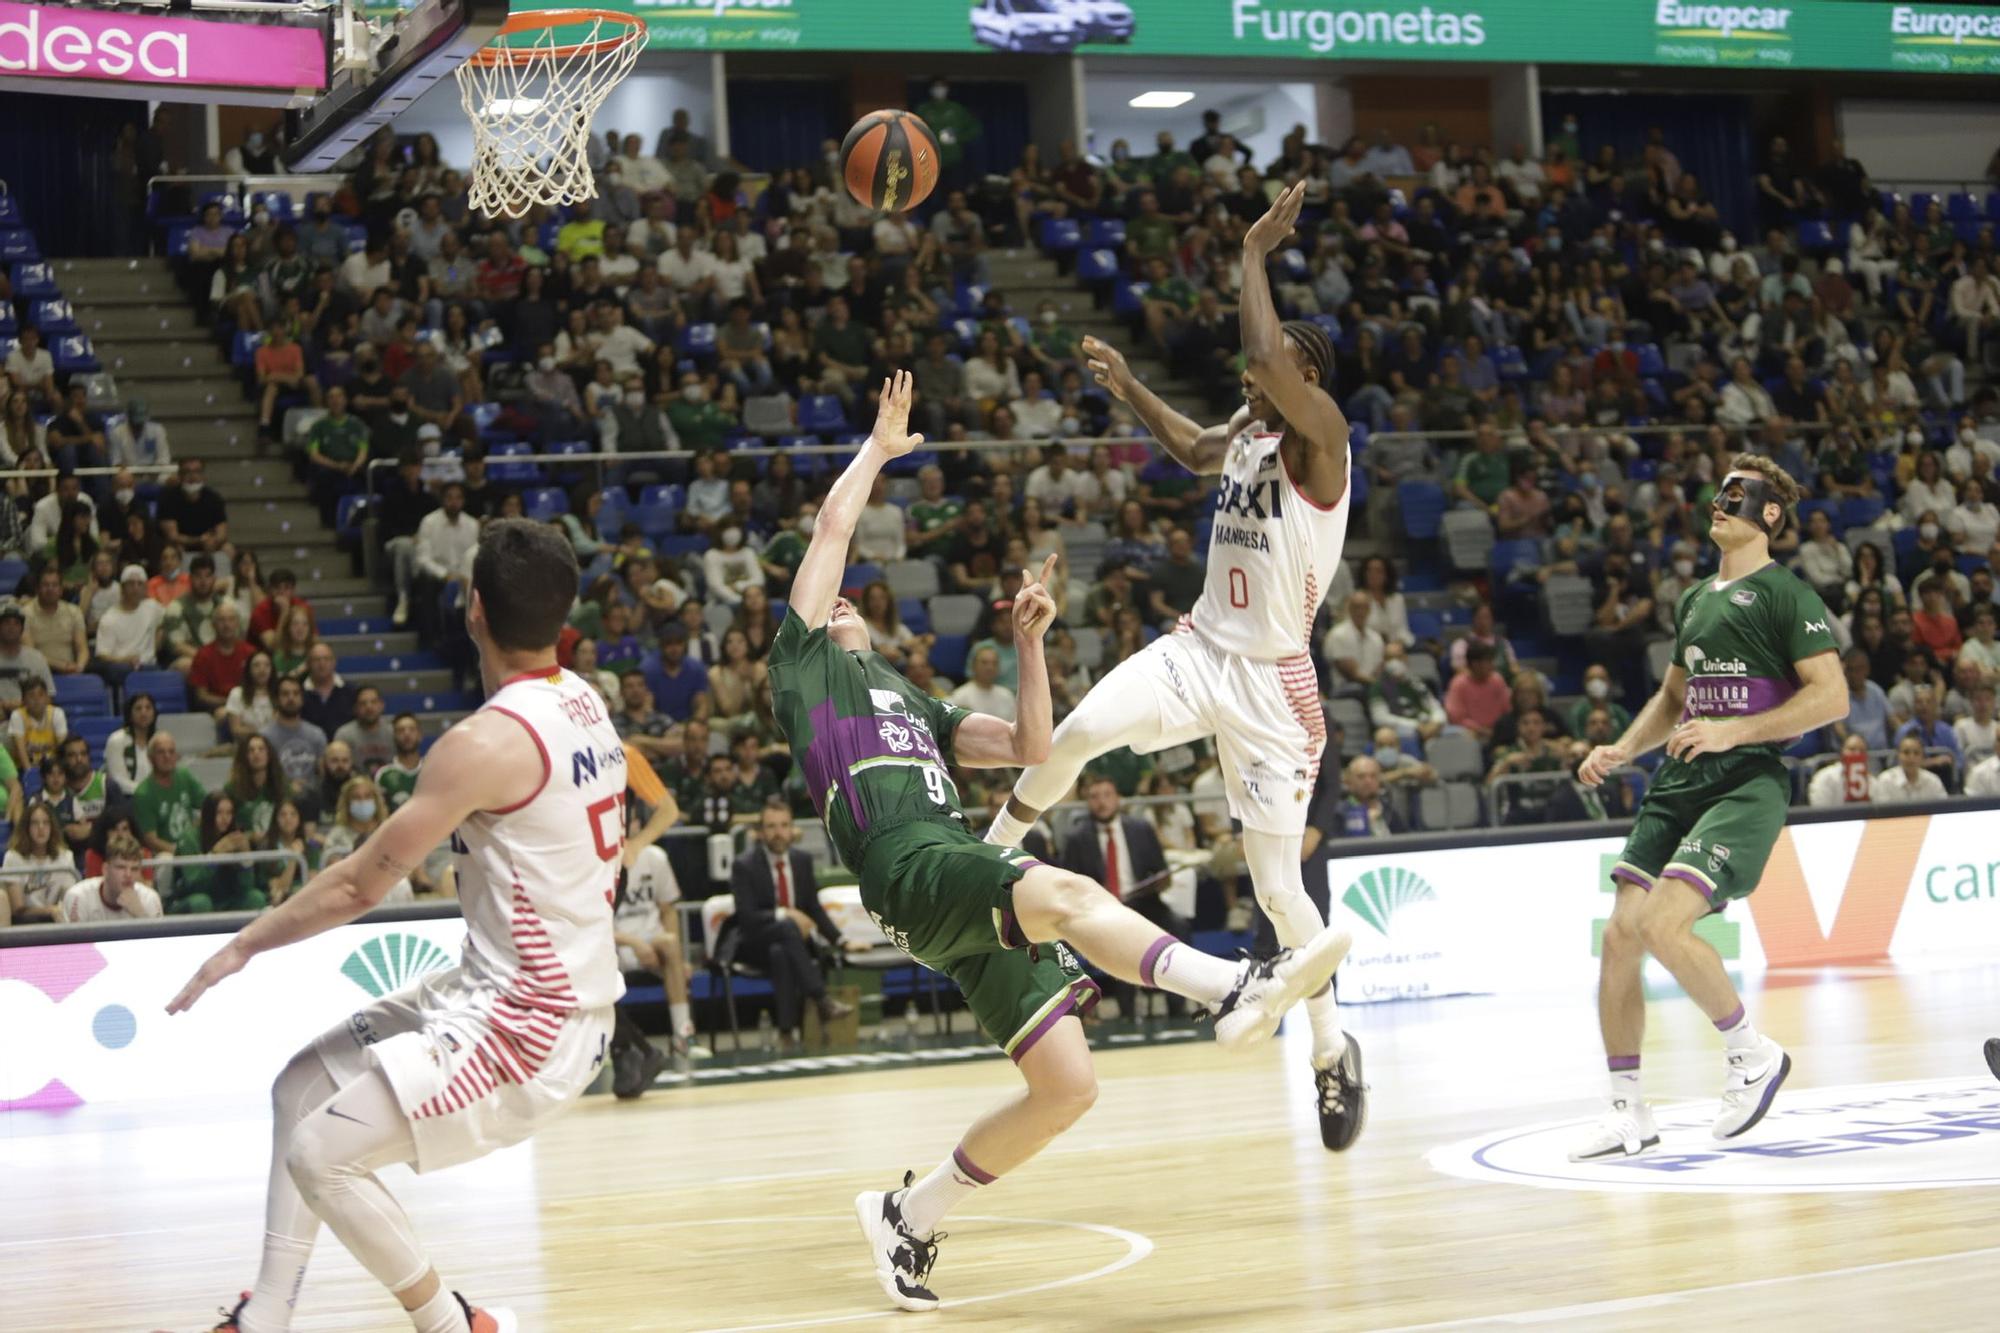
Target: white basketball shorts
473, 1070
1265, 718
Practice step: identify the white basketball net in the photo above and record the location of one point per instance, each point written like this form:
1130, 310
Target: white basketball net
531, 111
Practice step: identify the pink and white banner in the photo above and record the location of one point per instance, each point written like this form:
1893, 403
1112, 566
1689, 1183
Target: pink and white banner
46, 41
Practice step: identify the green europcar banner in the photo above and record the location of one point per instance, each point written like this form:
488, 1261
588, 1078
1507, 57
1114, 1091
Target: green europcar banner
1804, 34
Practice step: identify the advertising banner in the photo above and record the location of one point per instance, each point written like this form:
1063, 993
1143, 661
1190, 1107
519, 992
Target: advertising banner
1804, 34
1487, 920
57, 42
87, 1023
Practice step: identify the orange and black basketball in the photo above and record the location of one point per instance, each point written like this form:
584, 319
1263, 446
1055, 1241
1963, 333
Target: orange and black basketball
890, 160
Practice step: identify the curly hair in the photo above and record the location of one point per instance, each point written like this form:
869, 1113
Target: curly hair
1783, 489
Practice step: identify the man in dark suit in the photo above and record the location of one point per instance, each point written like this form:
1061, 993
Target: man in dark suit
1122, 852
777, 907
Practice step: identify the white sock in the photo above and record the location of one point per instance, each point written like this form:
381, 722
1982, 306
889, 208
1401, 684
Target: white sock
683, 1018
279, 1278
952, 1182
1007, 830
1329, 1042
1186, 970
440, 1314
1738, 1034
1625, 1087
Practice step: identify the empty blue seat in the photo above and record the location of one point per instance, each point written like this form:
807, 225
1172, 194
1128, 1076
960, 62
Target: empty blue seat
966, 331
697, 340
1860, 511
821, 412
53, 318
243, 349
17, 245
1423, 508
1128, 298
10, 210
74, 355
347, 516
861, 575
544, 503
948, 653
277, 202
513, 473
1961, 205
168, 688
1061, 234
1107, 232
1831, 508
83, 695
1816, 237
915, 613
1097, 266
35, 280
663, 493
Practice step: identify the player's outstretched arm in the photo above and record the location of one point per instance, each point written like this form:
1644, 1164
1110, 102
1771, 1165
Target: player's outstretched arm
1655, 722
985, 741
1198, 449
487, 762
1307, 407
818, 580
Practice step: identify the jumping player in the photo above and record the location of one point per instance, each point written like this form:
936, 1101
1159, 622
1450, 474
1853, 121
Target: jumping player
1755, 667
529, 791
874, 750
1238, 668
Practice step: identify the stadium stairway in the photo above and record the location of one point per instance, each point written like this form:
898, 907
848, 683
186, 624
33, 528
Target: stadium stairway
1027, 278
146, 335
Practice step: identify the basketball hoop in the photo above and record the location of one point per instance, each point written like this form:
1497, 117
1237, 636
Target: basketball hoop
532, 100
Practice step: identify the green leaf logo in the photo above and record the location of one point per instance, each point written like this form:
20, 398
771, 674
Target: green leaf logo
388, 962
1378, 895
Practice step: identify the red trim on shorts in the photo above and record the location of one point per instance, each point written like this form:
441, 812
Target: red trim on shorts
1324, 509
547, 767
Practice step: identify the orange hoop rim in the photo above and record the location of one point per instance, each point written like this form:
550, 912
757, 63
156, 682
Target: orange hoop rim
534, 20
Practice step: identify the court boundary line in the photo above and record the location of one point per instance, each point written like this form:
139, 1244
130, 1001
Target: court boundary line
1617, 1305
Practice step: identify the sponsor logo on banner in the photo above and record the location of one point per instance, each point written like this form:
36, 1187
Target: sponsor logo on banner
1951, 41
1325, 31
1404, 947
392, 961
1888, 1136
43, 41
1722, 34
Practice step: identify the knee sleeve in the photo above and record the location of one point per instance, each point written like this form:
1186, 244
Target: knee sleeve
1279, 879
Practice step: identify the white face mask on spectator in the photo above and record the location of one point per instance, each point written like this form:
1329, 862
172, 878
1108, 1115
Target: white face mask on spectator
1913, 436
635, 400
1597, 689
1928, 531
694, 393
1684, 568
1395, 667
732, 538
546, 364
806, 525
193, 489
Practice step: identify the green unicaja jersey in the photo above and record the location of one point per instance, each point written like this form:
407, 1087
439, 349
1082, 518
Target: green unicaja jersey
872, 745
1739, 643
398, 784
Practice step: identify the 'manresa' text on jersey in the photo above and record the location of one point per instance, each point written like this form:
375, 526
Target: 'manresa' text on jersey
872, 745
1272, 555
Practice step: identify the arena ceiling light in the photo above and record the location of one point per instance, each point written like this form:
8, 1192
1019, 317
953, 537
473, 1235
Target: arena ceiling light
1160, 101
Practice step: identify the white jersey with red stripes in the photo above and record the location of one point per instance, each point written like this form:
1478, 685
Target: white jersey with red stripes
536, 881
1272, 554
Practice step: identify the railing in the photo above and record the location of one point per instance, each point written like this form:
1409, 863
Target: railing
1693, 431
247, 186
136, 469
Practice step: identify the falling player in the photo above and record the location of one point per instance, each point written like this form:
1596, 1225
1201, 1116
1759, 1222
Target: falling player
874, 751
529, 792
1238, 668
1755, 666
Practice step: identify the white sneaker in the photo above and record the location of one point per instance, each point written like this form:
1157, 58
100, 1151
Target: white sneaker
902, 1260
1754, 1079
1626, 1129
401, 615
1268, 987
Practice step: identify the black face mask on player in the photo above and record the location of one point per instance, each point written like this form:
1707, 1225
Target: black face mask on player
1743, 495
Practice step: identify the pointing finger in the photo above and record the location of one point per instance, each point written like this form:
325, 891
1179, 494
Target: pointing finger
1048, 567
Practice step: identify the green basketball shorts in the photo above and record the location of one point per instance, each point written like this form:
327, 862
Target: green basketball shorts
947, 899
1710, 824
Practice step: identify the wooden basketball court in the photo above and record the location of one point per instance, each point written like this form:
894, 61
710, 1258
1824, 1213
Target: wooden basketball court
1194, 1197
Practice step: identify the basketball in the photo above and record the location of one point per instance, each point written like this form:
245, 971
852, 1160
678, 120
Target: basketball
890, 159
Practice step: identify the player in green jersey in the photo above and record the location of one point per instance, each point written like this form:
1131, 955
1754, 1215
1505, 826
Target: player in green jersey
1755, 667
875, 751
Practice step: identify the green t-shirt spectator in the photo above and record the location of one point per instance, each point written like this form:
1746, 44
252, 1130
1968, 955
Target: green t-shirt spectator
338, 439
1058, 341
928, 517
1151, 237
786, 550
1176, 291
1579, 716
848, 345
1164, 165
170, 810
954, 126
1485, 475
699, 425
1124, 767
398, 784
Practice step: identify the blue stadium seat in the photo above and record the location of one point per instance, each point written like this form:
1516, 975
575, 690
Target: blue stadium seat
83, 695
696, 340
1107, 232
1061, 235
1423, 508
1097, 266
1511, 362
53, 318
1292, 266
510, 473
9, 327
1920, 205
544, 503
1831, 508
663, 493
74, 355
1962, 206
1128, 298
686, 544
168, 688
17, 246
177, 240
966, 331
347, 517
916, 614
948, 653
969, 296
1816, 238
35, 281
1860, 511
10, 210
1651, 362
821, 413
861, 575
95, 728
277, 202
12, 570
243, 348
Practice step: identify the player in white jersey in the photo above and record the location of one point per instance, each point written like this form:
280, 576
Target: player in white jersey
1238, 668
529, 790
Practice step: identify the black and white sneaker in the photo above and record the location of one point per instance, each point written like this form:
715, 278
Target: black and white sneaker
1268, 987
1343, 1098
634, 1069
902, 1259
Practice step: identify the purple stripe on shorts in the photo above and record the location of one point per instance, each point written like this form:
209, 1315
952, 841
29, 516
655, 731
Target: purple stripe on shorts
964, 1163
1689, 877
1152, 956
1735, 1016
1010, 930
1620, 1064
1082, 995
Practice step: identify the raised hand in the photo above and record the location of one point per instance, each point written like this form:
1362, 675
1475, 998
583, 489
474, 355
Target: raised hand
1108, 368
1034, 605
1270, 231
892, 417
